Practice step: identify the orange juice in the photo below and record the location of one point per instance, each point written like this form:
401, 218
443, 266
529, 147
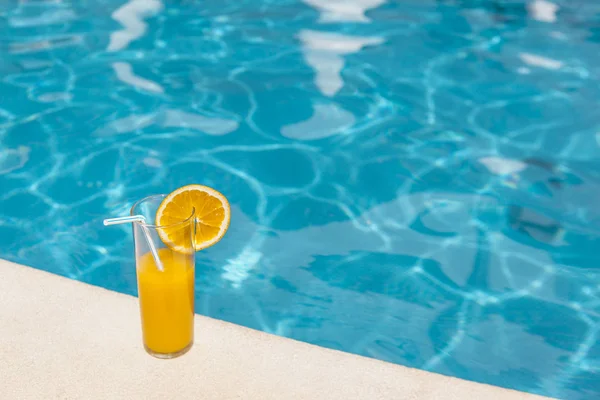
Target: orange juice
167, 302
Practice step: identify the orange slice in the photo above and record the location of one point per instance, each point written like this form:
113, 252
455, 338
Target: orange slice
212, 216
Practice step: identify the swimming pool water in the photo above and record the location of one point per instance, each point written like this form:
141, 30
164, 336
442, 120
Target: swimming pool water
414, 181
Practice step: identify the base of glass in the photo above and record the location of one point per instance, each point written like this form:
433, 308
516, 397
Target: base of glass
167, 356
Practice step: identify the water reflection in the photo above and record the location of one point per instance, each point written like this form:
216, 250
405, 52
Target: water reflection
131, 16
59, 16
535, 60
125, 74
327, 120
324, 52
49, 44
13, 159
502, 166
210, 126
169, 118
542, 10
343, 10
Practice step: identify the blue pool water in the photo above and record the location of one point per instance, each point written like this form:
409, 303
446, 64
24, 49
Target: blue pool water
415, 181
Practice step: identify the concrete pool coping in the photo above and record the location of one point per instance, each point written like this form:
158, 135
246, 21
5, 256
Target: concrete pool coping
63, 339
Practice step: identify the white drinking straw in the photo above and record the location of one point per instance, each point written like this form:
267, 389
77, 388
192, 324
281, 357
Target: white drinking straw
142, 220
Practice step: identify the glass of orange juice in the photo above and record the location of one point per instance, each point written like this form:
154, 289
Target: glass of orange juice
166, 286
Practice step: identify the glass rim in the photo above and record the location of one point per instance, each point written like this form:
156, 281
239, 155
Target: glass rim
154, 226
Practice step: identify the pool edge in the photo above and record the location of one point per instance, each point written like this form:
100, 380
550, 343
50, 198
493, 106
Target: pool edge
66, 339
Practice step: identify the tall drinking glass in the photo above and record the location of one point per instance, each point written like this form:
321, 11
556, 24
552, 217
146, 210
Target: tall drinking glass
166, 288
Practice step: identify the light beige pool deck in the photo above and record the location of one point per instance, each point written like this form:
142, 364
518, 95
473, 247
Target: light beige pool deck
63, 339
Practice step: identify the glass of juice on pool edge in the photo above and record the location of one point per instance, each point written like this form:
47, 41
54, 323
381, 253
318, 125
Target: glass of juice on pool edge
166, 296
189, 219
